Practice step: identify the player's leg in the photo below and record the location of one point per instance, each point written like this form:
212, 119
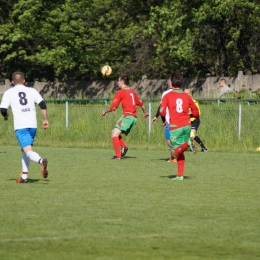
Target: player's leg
179, 145
25, 166
168, 142
122, 141
123, 146
193, 133
181, 164
128, 124
35, 157
123, 125
116, 143
25, 138
203, 147
194, 128
117, 138
180, 139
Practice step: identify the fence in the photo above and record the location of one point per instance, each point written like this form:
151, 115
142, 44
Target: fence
224, 125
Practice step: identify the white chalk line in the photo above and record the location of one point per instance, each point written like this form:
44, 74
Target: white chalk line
122, 236
32, 239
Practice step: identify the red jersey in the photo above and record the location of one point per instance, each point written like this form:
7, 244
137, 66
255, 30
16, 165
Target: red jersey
129, 100
178, 104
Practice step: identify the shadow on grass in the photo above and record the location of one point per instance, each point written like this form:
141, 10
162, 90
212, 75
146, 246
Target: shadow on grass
41, 181
166, 160
126, 157
173, 176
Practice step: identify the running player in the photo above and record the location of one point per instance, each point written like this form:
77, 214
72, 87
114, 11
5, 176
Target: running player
195, 123
22, 100
178, 104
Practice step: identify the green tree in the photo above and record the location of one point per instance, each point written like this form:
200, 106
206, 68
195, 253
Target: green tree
199, 37
74, 39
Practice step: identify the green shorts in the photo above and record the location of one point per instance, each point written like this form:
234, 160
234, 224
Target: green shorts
125, 124
179, 136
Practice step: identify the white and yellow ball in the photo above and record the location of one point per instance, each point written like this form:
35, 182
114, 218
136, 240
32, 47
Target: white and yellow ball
258, 149
106, 70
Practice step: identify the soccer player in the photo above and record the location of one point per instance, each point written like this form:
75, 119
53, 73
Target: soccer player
167, 121
195, 123
129, 100
22, 100
179, 104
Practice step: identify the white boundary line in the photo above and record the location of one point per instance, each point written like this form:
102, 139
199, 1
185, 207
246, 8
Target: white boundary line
25, 239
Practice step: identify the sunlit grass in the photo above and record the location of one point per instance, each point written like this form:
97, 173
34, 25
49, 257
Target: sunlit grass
92, 207
88, 129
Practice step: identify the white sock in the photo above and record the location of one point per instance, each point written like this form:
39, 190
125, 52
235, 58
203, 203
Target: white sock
25, 176
25, 163
35, 157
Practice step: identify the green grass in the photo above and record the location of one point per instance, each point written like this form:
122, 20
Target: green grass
88, 129
92, 207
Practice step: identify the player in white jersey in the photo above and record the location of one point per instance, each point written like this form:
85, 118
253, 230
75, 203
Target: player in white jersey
22, 100
167, 120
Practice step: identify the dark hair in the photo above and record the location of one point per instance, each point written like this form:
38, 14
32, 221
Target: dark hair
223, 80
18, 77
176, 79
125, 78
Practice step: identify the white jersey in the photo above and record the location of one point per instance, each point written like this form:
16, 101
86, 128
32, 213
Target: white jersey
167, 117
22, 100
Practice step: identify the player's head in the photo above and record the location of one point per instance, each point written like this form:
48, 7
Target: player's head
18, 78
187, 91
223, 82
123, 81
176, 79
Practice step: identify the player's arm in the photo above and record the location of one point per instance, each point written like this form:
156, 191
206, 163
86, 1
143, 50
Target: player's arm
4, 113
192, 118
163, 106
157, 115
115, 103
194, 109
146, 115
4, 106
141, 104
45, 123
104, 112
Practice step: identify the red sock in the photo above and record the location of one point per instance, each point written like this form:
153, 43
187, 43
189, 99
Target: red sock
180, 149
181, 163
122, 142
116, 144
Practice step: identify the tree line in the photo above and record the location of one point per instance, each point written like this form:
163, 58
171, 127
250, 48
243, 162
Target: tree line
73, 39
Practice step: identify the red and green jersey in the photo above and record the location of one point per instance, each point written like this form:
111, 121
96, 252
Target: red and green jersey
129, 100
178, 104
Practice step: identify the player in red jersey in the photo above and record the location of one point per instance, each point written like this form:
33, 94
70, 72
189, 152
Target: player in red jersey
179, 104
129, 100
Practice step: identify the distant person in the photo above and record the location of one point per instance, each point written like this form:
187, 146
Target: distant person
195, 123
167, 121
222, 87
22, 100
129, 100
179, 105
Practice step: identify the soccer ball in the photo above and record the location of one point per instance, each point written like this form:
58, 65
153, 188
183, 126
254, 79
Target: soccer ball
258, 149
106, 70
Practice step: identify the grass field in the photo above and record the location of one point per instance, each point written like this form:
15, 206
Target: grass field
88, 129
92, 207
